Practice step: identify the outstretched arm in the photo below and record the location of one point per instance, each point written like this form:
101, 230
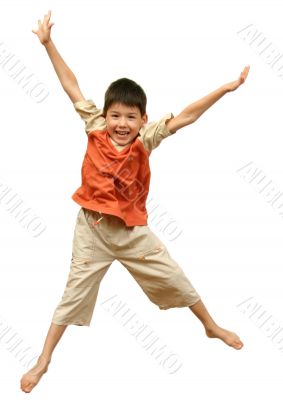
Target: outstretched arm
65, 75
191, 113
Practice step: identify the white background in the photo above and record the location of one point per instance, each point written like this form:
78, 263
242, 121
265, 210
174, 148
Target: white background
230, 246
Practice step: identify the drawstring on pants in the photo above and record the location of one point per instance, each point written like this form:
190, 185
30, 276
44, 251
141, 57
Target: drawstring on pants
98, 221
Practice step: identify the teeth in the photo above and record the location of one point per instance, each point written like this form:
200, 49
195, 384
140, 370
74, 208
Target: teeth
122, 133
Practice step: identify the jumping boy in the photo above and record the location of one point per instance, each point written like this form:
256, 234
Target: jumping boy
112, 221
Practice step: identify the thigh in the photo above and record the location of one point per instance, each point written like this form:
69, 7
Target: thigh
88, 242
157, 273
83, 240
143, 242
148, 256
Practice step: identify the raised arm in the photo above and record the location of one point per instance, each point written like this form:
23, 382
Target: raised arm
191, 113
65, 75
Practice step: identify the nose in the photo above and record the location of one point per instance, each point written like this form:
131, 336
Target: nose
122, 122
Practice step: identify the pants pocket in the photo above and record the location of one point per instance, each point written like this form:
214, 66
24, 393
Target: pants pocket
84, 240
146, 254
148, 243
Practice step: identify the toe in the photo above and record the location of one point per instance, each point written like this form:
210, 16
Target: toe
26, 386
238, 344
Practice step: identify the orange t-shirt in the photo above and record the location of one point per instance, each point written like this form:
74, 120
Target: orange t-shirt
115, 179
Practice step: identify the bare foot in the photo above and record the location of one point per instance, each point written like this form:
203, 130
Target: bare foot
31, 378
230, 338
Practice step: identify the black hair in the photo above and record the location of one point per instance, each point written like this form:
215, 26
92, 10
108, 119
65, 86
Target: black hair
127, 92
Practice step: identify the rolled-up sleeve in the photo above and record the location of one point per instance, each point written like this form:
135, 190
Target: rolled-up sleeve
91, 115
153, 133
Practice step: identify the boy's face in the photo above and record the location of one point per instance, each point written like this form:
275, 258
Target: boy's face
124, 122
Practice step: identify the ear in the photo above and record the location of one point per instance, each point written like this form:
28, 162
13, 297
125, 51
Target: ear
145, 118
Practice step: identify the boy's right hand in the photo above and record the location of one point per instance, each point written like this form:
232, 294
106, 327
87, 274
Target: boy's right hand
44, 29
65, 75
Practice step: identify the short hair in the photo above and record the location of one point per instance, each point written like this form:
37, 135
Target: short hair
127, 92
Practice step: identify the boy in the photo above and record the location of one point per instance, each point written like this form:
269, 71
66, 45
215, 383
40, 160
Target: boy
112, 221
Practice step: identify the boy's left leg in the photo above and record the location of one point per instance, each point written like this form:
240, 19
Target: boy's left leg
164, 282
212, 329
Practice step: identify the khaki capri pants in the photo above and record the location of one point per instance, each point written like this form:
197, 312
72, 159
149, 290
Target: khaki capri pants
99, 239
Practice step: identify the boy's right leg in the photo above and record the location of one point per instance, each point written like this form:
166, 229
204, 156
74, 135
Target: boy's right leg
31, 378
92, 257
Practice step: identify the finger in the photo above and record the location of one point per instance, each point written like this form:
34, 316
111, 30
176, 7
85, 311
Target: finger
39, 24
47, 17
246, 70
45, 20
243, 77
34, 31
245, 73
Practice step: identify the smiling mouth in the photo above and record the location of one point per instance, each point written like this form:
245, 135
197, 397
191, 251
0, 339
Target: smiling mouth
122, 133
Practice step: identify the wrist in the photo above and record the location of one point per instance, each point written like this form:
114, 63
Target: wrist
47, 42
226, 88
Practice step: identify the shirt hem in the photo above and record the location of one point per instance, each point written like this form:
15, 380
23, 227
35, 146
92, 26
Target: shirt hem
99, 208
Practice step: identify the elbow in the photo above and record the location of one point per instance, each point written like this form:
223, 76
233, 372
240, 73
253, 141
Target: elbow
69, 81
192, 118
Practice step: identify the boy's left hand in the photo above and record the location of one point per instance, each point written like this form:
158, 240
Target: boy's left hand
235, 84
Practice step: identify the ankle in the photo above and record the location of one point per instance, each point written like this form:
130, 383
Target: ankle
43, 360
45, 357
211, 326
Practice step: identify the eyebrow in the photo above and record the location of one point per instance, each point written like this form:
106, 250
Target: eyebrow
130, 113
